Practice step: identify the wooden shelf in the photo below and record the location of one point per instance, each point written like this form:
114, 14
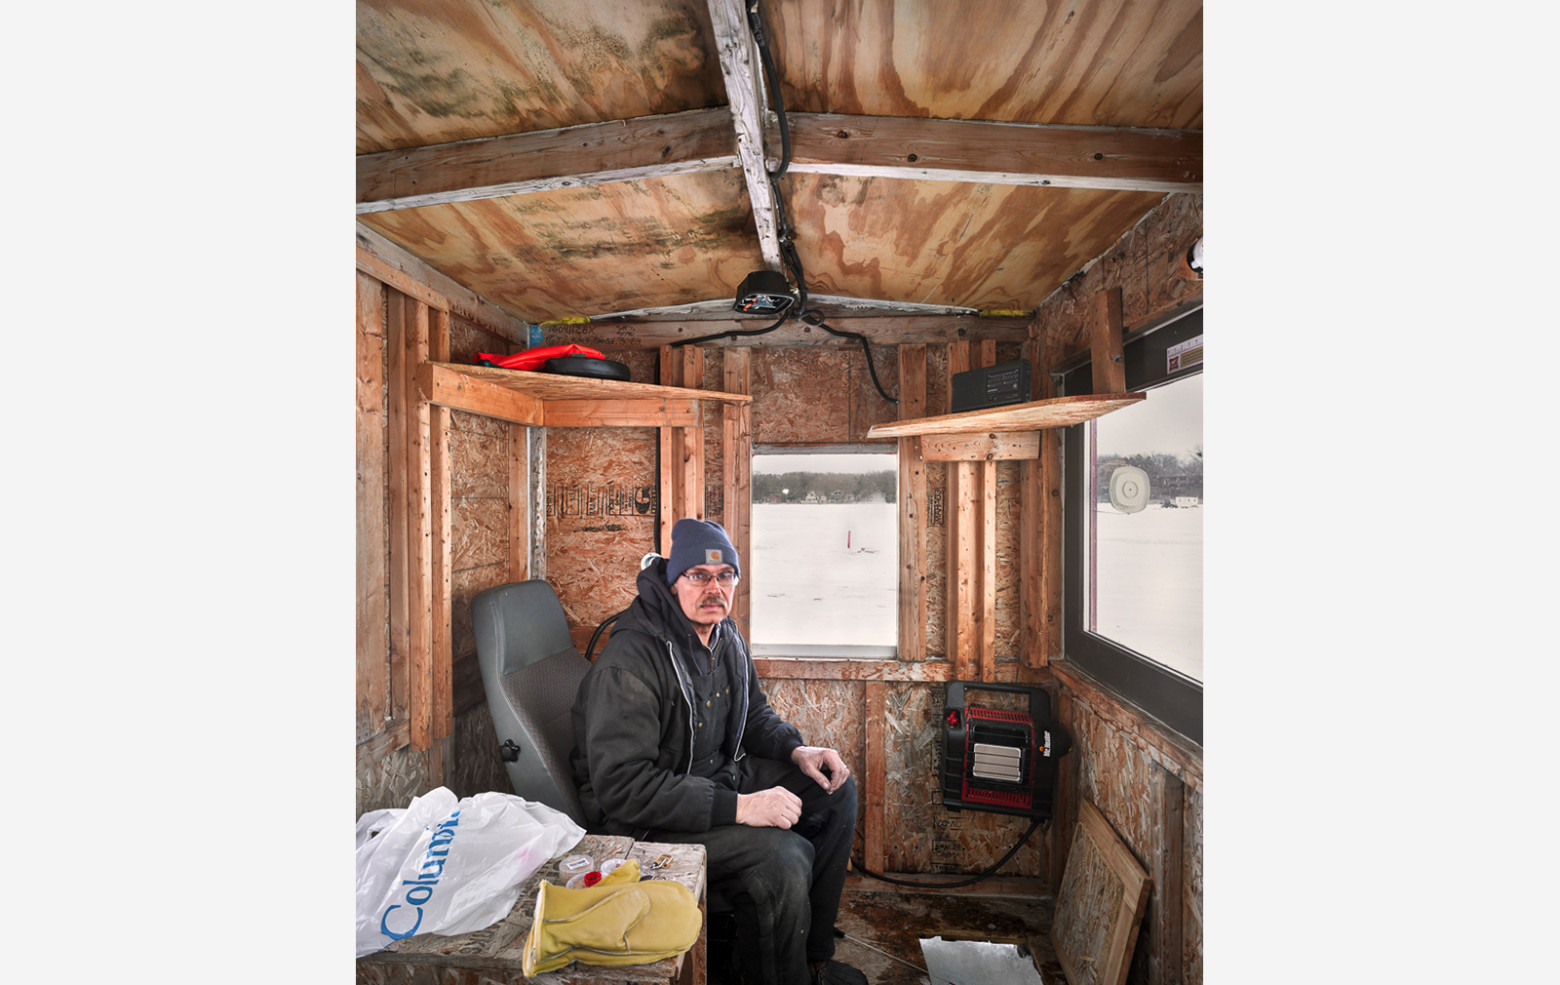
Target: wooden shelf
1058, 412
552, 400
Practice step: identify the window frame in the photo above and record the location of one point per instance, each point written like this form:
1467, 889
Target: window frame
816, 651
1169, 695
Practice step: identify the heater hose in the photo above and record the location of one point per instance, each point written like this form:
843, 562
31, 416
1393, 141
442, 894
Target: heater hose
967, 882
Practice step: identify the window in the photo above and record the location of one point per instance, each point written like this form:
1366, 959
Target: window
823, 578
1133, 513
1143, 563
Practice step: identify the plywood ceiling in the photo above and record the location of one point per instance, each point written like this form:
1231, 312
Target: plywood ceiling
571, 158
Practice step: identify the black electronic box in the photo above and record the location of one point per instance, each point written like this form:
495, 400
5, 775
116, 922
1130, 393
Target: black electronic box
1004, 383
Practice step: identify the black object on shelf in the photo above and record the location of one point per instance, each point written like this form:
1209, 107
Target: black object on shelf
601, 369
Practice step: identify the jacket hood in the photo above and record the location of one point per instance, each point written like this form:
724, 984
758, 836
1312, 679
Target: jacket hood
656, 611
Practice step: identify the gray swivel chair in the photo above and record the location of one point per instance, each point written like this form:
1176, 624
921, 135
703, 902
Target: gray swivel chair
531, 672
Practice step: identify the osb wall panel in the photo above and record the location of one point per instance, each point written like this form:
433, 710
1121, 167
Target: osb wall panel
479, 530
1009, 474
600, 503
601, 517
936, 584
392, 778
467, 339
920, 834
1145, 264
827, 713
1010, 619
479, 452
477, 767
714, 440
820, 395
1125, 778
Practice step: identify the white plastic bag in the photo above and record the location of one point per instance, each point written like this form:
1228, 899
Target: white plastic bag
444, 866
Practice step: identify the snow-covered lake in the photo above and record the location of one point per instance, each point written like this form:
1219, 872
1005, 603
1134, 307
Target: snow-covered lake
832, 578
836, 579
1148, 589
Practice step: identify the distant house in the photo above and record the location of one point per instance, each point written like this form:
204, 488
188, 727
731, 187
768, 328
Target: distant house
1183, 502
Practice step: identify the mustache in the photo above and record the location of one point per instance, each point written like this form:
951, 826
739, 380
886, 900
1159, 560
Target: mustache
713, 600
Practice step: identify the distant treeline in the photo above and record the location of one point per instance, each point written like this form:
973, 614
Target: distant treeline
1168, 475
825, 487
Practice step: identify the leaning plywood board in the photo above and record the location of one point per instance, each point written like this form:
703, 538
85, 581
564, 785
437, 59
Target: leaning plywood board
1100, 904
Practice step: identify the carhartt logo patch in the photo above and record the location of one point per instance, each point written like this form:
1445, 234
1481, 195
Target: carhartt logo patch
712, 556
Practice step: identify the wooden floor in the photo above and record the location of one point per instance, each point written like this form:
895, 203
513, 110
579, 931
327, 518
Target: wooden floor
883, 931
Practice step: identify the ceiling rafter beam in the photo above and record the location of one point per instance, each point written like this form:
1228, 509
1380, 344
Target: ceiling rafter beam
878, 329
1117, 158
850, 307
516, 164
740, 65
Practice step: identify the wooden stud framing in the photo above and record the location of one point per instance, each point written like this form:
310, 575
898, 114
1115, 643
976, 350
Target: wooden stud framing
961, 631
875, 752
682, 448
1040, 536
1168, 869
401, 401
418, 493
737, 469
441, 632
669, 374
381, 270
373, 614
912, 511
693, 437
1109, 369
986, 594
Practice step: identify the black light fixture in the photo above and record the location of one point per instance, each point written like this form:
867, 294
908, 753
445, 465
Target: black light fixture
764, 293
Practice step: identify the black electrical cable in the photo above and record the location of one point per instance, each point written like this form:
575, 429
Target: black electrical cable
591, 647
967, 882
800, 311
733, 333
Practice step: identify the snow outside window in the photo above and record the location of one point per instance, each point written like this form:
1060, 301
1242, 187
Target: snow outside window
1143, 562
823, 579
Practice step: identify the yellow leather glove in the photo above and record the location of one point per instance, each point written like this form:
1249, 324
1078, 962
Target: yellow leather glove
618, 921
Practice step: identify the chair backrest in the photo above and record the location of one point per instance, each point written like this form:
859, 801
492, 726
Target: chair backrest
531, 672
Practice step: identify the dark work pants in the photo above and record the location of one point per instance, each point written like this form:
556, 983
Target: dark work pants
784, 884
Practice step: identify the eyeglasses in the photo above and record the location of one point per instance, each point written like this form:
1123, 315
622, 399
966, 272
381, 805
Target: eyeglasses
701, 578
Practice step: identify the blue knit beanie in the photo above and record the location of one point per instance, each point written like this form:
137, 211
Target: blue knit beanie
696, 542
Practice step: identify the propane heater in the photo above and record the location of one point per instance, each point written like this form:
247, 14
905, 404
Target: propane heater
997, 760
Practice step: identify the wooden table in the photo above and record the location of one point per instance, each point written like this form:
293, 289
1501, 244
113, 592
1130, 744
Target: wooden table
492, 956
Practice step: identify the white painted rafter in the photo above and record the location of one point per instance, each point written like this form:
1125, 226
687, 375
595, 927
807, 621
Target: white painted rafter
740, 65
